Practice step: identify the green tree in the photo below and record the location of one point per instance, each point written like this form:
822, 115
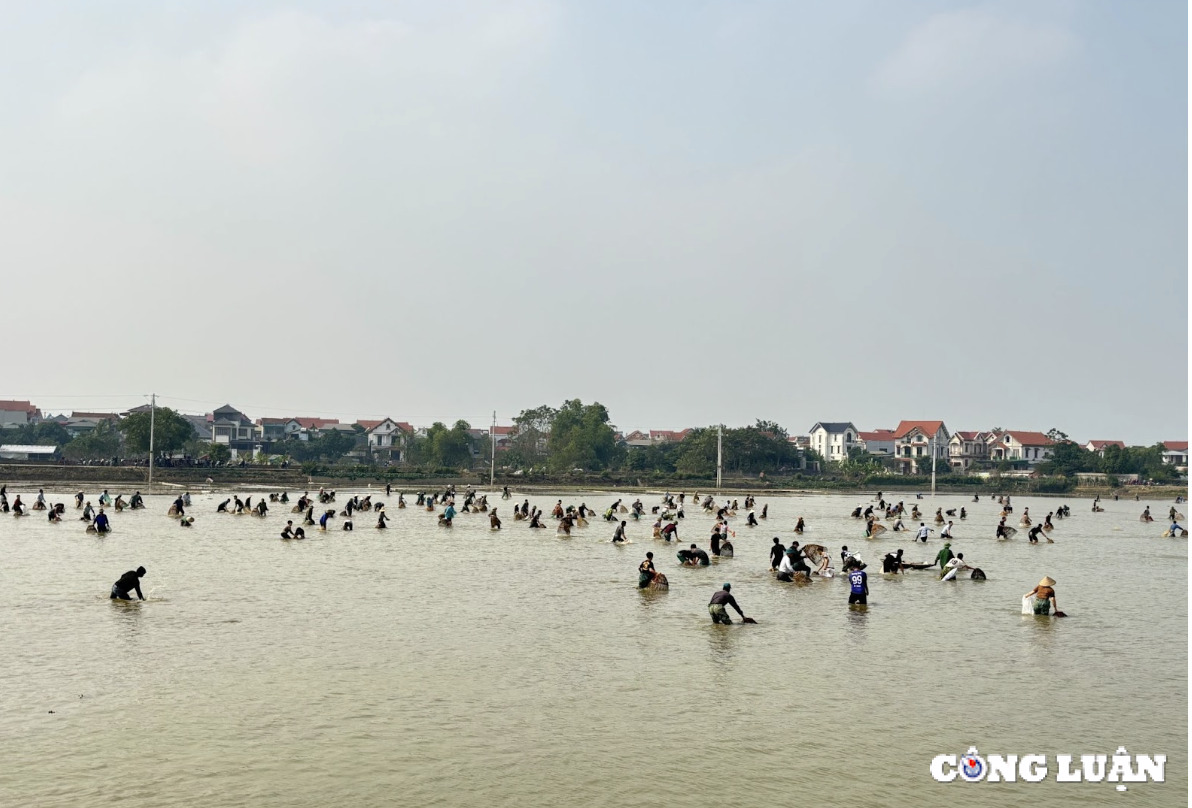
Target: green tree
528, 445
581, 437
170, 431
697, 455
100, 443
661, 457
450, 448
1068, 459
764, 447
773, 428
46, 433
330, 446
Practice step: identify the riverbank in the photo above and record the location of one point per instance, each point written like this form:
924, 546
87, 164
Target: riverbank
34, 475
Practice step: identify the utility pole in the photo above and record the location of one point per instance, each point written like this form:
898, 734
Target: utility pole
492, 441
719, 455
933, 464
152, 414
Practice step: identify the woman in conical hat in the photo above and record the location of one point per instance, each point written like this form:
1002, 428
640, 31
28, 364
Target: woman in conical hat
1044, 598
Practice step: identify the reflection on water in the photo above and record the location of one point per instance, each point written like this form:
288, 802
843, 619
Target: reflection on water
420, 665
722, 644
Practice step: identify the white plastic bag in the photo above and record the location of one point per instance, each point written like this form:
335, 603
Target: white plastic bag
1027, 608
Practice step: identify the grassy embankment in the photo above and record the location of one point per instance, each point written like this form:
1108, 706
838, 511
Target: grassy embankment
47, 475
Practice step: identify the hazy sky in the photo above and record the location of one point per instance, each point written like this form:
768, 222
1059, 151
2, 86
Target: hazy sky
691, 212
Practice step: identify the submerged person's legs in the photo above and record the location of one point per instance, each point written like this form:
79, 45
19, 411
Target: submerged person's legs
719, 614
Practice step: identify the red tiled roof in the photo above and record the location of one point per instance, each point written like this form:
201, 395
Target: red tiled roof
669, 434
18, 406
271, 421
1175, 445
1029, 438
1098, 445
368, 425
928, 428
877, 434
966, 435
504, 430
315, 423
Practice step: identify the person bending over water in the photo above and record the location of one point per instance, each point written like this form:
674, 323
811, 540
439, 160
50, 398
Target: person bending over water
720, 600
1043, 598
128, 582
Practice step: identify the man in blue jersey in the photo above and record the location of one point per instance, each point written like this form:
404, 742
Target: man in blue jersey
859, 586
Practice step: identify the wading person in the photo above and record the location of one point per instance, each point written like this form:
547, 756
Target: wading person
716, 606
1043, 598
944, 555
786, 570
619, 534
645, 572
776, 553
128, 582
858, 583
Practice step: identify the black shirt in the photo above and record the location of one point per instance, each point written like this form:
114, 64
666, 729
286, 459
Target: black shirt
776, 553
128, 582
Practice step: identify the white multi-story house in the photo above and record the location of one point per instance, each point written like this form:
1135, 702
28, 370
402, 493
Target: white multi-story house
387, 437
916, 442
966, 449
233, 428
1098, 446
1017, 444
832, 439
638, 438
1175, 453
879, 442
18, 413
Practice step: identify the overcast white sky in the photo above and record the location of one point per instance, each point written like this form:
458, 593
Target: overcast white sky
693, 212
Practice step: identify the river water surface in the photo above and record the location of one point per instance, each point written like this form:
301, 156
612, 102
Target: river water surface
461, 667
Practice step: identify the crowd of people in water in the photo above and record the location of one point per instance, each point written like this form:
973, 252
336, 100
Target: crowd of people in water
794, 564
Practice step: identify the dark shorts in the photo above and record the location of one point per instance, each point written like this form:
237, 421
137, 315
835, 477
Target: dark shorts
118, 595
855, 597
785, 576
